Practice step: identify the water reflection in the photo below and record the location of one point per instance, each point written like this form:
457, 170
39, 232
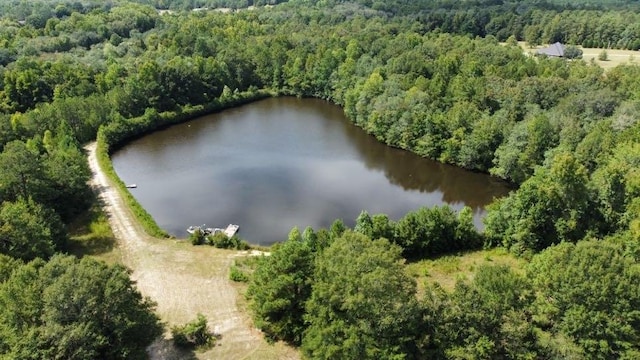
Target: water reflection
285, 162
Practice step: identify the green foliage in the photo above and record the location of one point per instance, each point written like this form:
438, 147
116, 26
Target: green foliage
362, 304
20, 173
52, 171
195, 334
434, 231
222, 241
337, 229
603, 56
7, 265
74, 309
364, 224
237, 275
572, 52
487, 318
524, 149
550, 207
197, 237
279, 288
588, 294
561, 130
617, 186
28, 230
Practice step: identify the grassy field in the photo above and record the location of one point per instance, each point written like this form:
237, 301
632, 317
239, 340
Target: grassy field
447, 270
615, 57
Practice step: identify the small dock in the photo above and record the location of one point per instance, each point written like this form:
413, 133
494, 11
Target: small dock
231, 230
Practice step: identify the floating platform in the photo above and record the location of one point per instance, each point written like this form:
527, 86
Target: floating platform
231, 230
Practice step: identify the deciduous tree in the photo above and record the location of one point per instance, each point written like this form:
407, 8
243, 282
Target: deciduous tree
363, 304
74, 309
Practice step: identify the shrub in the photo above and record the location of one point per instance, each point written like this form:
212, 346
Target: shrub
238, 275
603, 56
222, 241
572, 52
197, 237
193, 334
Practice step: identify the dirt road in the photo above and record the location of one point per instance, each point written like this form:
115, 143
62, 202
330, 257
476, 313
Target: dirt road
183, 280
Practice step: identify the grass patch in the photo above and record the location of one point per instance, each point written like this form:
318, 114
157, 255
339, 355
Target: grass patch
143, 217
90, 235
614, 58
237, 275
243, 268
447, 270
448, 264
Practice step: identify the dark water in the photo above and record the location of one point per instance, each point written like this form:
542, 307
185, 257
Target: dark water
284, 162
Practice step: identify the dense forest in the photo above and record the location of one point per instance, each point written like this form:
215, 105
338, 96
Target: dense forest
443, 79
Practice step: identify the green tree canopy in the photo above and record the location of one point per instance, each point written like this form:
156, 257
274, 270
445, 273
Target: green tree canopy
588, 293
74, 309
487, 318
552, 206
28, 230
279, 289
363, 304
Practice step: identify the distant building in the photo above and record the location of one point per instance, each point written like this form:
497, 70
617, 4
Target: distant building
555, 50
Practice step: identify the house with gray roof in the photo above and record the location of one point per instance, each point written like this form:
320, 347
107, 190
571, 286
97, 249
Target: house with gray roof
554, 50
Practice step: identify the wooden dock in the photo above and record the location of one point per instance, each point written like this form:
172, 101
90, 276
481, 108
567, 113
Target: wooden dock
231, 230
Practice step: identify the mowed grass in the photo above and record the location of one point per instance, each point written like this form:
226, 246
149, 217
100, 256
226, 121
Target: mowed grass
447, 270
615, 57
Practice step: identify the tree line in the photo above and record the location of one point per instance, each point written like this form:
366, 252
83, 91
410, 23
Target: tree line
564, 132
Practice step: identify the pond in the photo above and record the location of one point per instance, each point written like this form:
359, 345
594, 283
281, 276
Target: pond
283, 162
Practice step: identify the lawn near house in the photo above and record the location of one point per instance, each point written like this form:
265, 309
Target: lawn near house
615, 56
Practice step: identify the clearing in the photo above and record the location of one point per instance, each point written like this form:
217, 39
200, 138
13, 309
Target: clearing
184, 280
615, 57
446, 270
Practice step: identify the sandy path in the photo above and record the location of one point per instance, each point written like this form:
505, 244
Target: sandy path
183, 280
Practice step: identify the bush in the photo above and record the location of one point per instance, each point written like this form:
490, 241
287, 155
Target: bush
603, 56
238, 275
197, 237
222, 241
193, 334
572, 52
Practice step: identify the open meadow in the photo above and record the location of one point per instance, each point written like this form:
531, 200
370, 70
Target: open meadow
615, 57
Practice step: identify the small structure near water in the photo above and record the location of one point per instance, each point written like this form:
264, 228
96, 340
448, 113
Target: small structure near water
229, 231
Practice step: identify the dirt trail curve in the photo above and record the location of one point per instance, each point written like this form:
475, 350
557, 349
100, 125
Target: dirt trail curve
182, 280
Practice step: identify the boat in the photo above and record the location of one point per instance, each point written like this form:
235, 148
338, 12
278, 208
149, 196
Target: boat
230, 230
193, 228
131, 186
213, 231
